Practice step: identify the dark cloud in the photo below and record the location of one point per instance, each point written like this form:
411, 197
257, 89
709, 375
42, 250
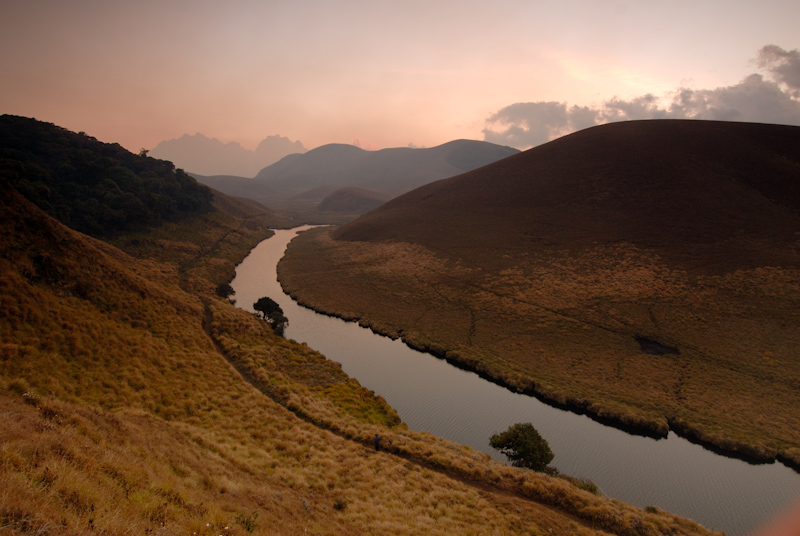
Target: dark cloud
784, 66
754, 99
533, 123
774, 99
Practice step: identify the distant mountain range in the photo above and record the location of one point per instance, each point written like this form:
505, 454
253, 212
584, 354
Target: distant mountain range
209, 156
388, 172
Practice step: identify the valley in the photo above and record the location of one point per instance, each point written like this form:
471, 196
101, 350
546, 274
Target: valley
137, 399
654, 297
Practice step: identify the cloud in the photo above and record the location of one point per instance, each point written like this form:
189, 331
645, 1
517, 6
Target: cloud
771, 99
784, 66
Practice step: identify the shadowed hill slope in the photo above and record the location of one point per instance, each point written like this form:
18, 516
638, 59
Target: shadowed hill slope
656, 184
351, 200
136, 400
237, 186
645, 273
390, 171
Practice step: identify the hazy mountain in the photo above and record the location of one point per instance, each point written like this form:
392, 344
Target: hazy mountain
643, 272
388, 171
238, 186
209, 156
351, 201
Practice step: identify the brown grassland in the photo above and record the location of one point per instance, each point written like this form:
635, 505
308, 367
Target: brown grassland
134, 400
645, 273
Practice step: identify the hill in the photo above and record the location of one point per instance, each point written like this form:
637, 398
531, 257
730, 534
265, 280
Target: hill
238, 186
96, 188
209, 156
135, 399
388, 172
644, 273
351, 200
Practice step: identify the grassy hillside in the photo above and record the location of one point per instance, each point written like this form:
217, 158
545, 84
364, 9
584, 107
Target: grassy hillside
135, 400
645, 273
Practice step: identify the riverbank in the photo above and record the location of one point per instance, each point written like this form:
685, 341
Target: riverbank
631, 424
355, 284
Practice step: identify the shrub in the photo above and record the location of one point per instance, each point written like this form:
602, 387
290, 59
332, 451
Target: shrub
523, 445
247, 522
224, 290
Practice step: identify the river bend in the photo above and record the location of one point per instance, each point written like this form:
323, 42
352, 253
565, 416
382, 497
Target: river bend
432, 396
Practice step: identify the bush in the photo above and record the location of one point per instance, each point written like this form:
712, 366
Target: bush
225, 290
247, 522
523, 445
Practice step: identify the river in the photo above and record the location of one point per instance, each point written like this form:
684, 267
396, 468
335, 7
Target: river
432, 396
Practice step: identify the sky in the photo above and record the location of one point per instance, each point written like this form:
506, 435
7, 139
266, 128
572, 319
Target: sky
392, 74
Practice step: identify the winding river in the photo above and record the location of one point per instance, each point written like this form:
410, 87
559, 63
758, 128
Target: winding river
432, 396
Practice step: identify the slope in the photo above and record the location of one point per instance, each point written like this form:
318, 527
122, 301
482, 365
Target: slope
97, 188
351, 201
135, 400
644, 273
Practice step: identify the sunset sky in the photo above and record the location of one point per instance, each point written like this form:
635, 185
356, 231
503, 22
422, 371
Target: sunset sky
387, 74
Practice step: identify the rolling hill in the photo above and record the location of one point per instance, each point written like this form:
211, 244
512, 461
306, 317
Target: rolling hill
137, 399
388, 172
351, 201
645, 273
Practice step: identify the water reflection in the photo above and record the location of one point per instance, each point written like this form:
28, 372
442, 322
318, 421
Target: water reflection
432, 396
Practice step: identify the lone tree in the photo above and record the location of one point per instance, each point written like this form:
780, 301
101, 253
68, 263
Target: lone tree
523, 445
272, 313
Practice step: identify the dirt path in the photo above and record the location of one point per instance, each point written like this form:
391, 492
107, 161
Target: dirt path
504, 489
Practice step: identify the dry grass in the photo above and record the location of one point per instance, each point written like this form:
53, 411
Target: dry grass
122, 413
564, 324
545, 270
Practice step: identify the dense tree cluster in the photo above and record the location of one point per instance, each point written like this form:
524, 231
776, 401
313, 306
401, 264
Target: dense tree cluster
94, 187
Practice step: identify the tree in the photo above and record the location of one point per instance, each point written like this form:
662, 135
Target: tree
523, 445
270, 311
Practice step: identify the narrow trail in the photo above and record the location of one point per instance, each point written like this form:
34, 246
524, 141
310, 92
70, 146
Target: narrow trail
183, 269
484, 486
